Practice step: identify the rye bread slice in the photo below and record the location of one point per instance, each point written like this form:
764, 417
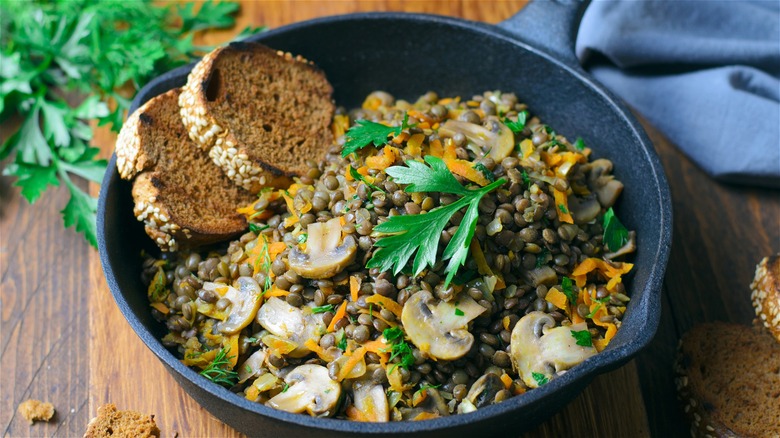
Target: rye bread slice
766, 294
728, 380
111, 422
183, 200
261, 114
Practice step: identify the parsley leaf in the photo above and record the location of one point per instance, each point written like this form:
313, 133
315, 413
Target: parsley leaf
582, 338
526, 179
398, 347
615, 234
519, 125
540, 378
579, 144
459, 312
342, 345
485, 172
303, 237
568, 290
405, 235
366, 132
80, 212
33, 179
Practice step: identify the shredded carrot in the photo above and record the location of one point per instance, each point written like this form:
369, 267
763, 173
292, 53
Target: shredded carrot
372, 103
200, 360
600, 344
380, 348
400, 138
382, 161
232, 345
312, 345
340, 313
353, 360
420, 116
507, 380
354, 414
610, 271
527, 147
466, 170
387, 303
354, 288
419, 397
340, 125
251, 393
436, 149
562, 206
425, 415
449, 150
276, 292
414, 145
558, 299
161, 307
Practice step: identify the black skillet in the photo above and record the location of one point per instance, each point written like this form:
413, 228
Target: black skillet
530, 54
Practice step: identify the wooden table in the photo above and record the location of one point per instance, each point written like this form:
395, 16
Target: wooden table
64, 340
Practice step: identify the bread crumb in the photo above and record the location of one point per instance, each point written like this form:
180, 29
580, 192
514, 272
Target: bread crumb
36, 410
113, 423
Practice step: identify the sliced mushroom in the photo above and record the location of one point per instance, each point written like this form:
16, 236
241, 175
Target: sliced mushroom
603, 183
440, 328
324, 257
369, 397
584, 209
483, 391
498, 139
310, 390
542, 275
244, 302
290, 323
432, 406
252, 366
538, 347
627, 248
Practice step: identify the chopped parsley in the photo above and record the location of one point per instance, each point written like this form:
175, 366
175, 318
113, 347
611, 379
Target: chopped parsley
579, 144
517, 126
615, 234
459, 312
540, 258
540, 378
563, 209
285, 387
526, 179
568, 290
485, 172
582, 337
404, 235
398, 348
257, 229
355, 174
342, 345
322, 309
303, 237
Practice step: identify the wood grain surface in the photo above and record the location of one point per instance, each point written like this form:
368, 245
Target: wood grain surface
63, 339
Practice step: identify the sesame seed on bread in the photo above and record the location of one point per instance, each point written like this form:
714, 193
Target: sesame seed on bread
182, 198
113, 423
260, 113
766, 294
728, 380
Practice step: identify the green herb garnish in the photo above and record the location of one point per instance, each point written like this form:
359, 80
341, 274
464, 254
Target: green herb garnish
355, 174
342, 345
322, 309
579, 144
517, 126
67, 64
582, 337
285, 387
615, 234
459, 312
157, 292
540, 378
563, 209
568, 290
485, 172
540, 258
303, 237
218, 372
398, 348
406, 234
257, 229
366, 132
526, 179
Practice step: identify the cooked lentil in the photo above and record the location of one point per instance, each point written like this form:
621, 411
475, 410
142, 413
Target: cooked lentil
526, 242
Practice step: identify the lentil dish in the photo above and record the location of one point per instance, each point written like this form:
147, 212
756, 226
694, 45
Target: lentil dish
446, 255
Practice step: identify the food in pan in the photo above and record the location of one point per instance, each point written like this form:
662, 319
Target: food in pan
446, 254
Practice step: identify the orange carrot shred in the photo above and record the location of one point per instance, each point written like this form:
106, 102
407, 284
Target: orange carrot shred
387, 303
562, 206
354, 288
466, 170
558, 298
507, 380
340, 313
353, 360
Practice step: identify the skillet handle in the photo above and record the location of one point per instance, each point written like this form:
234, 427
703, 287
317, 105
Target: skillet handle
550, 25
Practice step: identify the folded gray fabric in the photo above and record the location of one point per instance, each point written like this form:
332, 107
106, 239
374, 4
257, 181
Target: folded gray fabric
706, 73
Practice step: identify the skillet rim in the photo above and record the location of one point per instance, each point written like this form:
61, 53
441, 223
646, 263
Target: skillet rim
605, 361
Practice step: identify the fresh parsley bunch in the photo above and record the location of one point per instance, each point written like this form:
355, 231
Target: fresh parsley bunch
64, 64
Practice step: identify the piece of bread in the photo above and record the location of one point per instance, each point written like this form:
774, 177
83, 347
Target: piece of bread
260, 113
766, 293
113, 423
182, 198
728, 380
36, 410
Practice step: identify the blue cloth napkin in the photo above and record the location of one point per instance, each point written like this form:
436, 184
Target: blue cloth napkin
706, 73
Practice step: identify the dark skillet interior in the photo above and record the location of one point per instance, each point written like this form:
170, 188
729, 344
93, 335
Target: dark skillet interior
408, 55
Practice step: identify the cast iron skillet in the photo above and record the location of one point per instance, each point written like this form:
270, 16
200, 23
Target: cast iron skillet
530, 54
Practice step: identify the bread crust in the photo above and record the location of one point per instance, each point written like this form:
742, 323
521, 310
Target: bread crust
154, 188
766, 294
242, 160
111, 422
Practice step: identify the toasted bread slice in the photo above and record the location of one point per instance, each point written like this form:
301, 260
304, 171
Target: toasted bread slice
728, 379
183, 200
766, 293
260, 113
113, 423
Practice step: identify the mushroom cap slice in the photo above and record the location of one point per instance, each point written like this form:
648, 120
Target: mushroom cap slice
323, 257
483, 391
310, 390
245, 300
500, 140
370, 398
537, 346
439, 328
252, 366
291, 323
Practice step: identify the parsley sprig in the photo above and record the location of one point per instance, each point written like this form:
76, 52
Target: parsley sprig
405, 235
218, 370
366, 132
398, 348
66, 64
615, 233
